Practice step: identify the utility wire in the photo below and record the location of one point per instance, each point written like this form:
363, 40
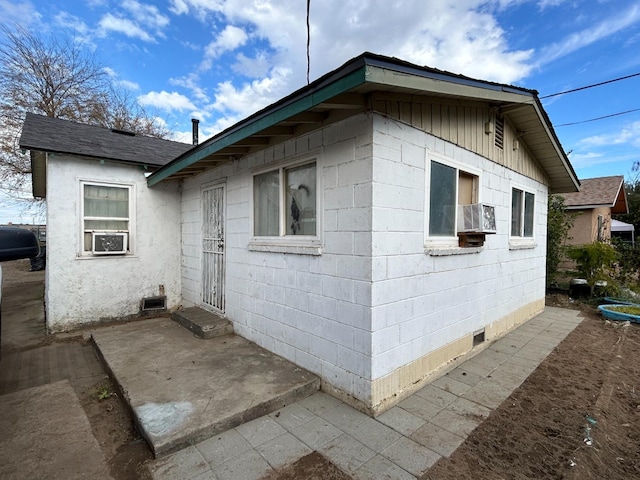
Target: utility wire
308, 41
591, 86
599, 118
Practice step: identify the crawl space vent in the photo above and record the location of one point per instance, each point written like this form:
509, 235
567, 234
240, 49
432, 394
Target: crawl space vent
149, 304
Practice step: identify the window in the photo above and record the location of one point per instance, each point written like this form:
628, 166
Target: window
106, 217
522, 205
284, 202
449, 187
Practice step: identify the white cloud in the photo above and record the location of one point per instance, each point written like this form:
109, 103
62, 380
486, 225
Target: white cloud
21, 13
629, 134
146, 23
166, 101
111, 23
191, 82
71, 22
253, 96
447, 35
116, 80
148, 15
255, 67
578, 40
228, 40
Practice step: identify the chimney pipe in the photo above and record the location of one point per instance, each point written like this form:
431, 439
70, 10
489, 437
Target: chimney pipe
194, 130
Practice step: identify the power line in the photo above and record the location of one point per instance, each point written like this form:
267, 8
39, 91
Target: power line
591, 86
599, 118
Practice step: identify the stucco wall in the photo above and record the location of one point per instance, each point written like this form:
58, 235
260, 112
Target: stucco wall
585, 225
373, 303
85, 289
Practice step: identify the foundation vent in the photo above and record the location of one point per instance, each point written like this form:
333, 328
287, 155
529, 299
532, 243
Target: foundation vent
478, 337
149, 304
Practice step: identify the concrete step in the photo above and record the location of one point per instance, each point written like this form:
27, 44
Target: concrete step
182, 391
202, 323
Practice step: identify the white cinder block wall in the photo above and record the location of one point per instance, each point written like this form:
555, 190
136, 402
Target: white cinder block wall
423, 302
312, 310
373, 302
82, 290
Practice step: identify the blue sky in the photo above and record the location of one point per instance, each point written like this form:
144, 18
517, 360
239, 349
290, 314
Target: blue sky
220, 61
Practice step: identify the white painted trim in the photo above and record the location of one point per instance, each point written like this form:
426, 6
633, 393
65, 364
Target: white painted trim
519, 240
300, 244
448, 243
81, 182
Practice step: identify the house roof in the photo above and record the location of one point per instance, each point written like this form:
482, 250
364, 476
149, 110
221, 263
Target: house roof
344, 91
53, 135
599, 192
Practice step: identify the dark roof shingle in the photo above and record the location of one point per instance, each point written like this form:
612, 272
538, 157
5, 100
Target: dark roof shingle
600, 191
54, 135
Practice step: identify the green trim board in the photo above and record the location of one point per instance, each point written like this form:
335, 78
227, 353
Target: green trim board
253, 126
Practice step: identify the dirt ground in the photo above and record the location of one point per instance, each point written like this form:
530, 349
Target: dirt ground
125, 451
576, 417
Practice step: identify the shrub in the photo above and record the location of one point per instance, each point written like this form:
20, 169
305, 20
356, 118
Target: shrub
595, 261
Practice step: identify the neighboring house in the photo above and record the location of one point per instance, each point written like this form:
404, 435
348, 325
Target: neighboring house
593, 206
328, 227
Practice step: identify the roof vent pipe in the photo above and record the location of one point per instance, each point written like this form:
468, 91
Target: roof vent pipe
194, 130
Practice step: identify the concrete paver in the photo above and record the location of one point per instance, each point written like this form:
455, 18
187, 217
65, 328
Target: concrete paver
381, 468
403, 442
437, 439
411, 456
347, 453
283, 450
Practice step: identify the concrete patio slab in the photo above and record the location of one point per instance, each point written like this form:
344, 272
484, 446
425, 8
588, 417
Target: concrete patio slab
182, 389
406, 439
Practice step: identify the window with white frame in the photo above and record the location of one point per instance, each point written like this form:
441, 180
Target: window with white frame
106, 217
285, 202
522, 209
449, 187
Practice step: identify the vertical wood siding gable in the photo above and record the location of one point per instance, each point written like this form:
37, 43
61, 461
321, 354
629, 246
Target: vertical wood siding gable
464, 125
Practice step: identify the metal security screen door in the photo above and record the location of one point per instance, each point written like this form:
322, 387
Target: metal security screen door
213, 290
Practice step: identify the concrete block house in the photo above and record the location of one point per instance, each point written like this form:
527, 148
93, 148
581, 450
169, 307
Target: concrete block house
335, 227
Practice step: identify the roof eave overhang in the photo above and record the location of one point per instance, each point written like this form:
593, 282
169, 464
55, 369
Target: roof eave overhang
374, 72
261, 121
588, 207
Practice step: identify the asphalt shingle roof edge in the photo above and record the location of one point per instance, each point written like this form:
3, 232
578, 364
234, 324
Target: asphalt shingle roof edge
55, 135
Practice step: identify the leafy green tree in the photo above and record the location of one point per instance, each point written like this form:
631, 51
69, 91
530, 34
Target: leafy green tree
559, 222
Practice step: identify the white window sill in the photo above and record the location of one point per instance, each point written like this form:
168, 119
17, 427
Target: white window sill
282, 246
522, 244
446, 251
95, 257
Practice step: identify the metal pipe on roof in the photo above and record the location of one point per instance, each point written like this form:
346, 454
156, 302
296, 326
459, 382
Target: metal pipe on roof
194, 130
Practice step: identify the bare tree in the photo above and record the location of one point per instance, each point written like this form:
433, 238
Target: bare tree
58, 79
121, 110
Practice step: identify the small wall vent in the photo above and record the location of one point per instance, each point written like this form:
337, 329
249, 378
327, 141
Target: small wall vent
499, 133
150, 304
478, 337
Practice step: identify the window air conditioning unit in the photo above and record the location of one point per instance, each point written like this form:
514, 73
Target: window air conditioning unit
477, 218
108, 243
